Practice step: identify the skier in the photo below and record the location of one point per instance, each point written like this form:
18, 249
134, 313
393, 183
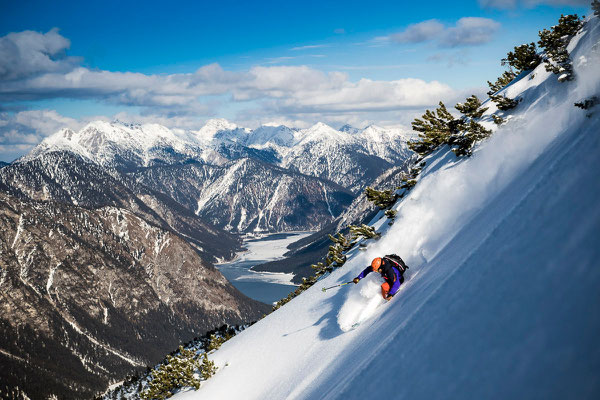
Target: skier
391, 272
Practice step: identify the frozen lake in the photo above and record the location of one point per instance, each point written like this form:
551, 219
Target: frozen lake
267, 287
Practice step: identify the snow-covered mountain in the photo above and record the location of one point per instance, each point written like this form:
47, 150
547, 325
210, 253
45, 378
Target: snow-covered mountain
68, 178
248, 195
202, 169
350, 160
318, 151
501, 297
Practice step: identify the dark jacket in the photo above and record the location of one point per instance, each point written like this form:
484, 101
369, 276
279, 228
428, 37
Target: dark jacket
390, 273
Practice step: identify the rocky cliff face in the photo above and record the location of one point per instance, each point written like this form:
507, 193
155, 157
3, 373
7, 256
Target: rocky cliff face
249, 195
68, 178
88, 295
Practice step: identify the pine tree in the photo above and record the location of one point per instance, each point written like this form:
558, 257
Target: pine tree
588, 103
342, 241
523, 58
554, 41
365, 231
207, 369
434, 130
408, 179
391, 214
497, 119
501, 82
321, 269
215, 342
504, 103
176, 372
381, 198
471, 108
474, 133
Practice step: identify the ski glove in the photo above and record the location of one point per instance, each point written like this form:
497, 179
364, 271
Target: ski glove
355, 280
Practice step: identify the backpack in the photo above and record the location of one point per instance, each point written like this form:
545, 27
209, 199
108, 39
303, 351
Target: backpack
397, 261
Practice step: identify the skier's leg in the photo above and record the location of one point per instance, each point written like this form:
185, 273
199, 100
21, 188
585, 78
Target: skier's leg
385, 288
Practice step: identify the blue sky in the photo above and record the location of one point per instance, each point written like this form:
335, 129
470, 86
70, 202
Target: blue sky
64, 63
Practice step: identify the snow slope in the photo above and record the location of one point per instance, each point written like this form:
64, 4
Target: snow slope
502, 297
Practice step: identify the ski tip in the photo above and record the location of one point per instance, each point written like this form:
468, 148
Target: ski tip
323, 290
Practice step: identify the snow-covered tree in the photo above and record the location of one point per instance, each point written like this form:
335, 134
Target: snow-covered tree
504, 103
588, 103
502, 81
176, 372
381, 198
471, 108
498, 120
434, 130
365, 231
554, 42
463, 144
523, 58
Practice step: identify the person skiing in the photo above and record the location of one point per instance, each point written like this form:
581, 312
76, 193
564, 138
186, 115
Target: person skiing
391, 272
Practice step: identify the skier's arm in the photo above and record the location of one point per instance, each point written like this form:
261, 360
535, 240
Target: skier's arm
365, 272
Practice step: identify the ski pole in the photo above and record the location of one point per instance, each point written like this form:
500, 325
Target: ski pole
341, 284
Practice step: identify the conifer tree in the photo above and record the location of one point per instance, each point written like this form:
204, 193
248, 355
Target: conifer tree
365, 231
588, 103
321, 269
504, 103
501, 82
381, 198
408, 179
434, 130
391, 214
497, 119
471, 107
523, 58
215, 342
554, 41
176, 372
474, 133
207, 368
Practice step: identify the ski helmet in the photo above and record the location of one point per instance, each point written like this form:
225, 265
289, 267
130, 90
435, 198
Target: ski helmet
376, 264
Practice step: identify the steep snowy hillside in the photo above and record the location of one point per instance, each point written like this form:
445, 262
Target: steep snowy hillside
501, 298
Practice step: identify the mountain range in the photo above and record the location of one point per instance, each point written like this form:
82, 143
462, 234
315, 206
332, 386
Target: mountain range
109, 234
205, 169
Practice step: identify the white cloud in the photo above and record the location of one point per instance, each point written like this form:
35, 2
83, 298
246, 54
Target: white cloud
28, 53
512, 4
309, 47
299, 94
421, 32
468, 31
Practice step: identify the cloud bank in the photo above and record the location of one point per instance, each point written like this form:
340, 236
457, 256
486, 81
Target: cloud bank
468, 31
35, 66
512, 4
